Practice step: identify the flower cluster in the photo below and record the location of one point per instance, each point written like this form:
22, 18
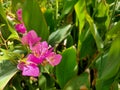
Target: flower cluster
40, 52
20, 27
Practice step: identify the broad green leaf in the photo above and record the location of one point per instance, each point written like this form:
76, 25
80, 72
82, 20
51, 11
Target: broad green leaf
113, 61
59, 35
95, 33
68, 66
78, 83
100, 63
87, 47
34, 19
7, 71
109, 84
68, 5
109, 68
42, 82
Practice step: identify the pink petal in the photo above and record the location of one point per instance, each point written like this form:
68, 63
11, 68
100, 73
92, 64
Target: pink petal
54, 59
19, 14
40, 49
31, 58
30, 39
20, 28
31, 70
21, 65
43, 47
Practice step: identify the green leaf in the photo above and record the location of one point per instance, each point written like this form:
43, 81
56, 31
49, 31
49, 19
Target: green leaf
50, 19
68, 5
102, 9
113, 61
34, 19
109, 68
59, 35
80, 11
114, 32
68, 66
102, 14
95, 33
87, 47
104, 84
42, 82
78, 83
7, 71
100, 63
2, 12
69, 42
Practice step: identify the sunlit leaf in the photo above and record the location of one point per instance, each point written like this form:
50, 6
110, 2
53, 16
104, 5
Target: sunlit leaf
80, 11
114, 32
68, 66
95, 33
7, 71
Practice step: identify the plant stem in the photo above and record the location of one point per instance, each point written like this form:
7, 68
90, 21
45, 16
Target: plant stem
56, 9
4, 41
113, 12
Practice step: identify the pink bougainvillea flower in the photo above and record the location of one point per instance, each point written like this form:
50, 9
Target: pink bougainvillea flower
28, 69
20, 28
31, 70
34, 59
53, 58
43, 52
40, 49
19, 14
30, 38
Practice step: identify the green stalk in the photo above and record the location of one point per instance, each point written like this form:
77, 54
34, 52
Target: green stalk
56, 9
113, 12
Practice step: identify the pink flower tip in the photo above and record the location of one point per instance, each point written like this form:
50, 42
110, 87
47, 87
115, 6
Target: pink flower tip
30, 38
20, 28
19, 14
29, 69
54, 59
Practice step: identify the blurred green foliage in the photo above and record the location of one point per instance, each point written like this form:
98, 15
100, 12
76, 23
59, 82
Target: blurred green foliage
85, 32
